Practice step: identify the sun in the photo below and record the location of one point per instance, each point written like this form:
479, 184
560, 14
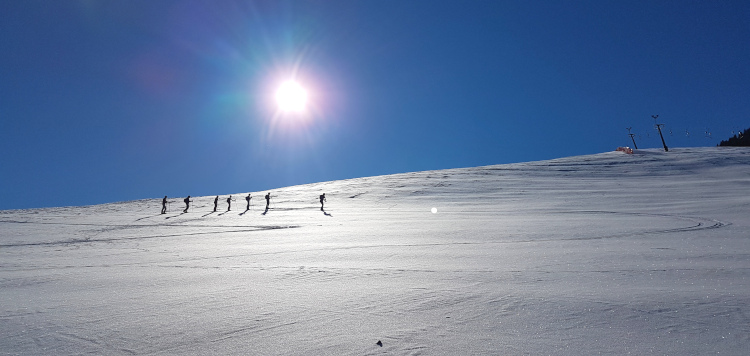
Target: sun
291, 97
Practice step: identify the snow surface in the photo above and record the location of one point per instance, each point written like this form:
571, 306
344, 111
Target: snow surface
602, 254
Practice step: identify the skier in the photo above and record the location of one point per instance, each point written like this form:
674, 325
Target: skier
322, 199
187, 204
268, 200
164, 205
229, 203
216, 202
248, 197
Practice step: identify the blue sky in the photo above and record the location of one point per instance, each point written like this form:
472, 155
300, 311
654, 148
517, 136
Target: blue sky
120, 100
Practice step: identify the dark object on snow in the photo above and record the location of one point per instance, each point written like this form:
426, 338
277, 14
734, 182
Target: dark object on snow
229, 203
187, 203
268, 200
216, 202
741, 139
248, 197
379, 343
164, 205
322, 199
632, 137
658, 127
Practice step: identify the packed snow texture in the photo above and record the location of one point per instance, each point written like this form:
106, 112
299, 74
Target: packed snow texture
609, 253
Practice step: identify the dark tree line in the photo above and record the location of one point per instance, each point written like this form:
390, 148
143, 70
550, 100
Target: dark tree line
740, 139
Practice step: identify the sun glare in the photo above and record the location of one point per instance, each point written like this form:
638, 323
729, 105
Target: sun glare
291, 97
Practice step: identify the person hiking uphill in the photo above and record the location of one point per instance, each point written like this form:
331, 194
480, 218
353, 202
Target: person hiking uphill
248, 197
216, 202
322, 199
268, 200
187, 204
229, 203
164, 205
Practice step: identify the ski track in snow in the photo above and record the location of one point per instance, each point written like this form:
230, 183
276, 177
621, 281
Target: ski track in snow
607, 253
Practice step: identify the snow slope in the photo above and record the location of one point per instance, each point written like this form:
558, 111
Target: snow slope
602, 254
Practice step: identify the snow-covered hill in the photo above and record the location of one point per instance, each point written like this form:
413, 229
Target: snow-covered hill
609, 253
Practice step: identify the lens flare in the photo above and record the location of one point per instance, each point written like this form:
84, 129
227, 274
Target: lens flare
291, 97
